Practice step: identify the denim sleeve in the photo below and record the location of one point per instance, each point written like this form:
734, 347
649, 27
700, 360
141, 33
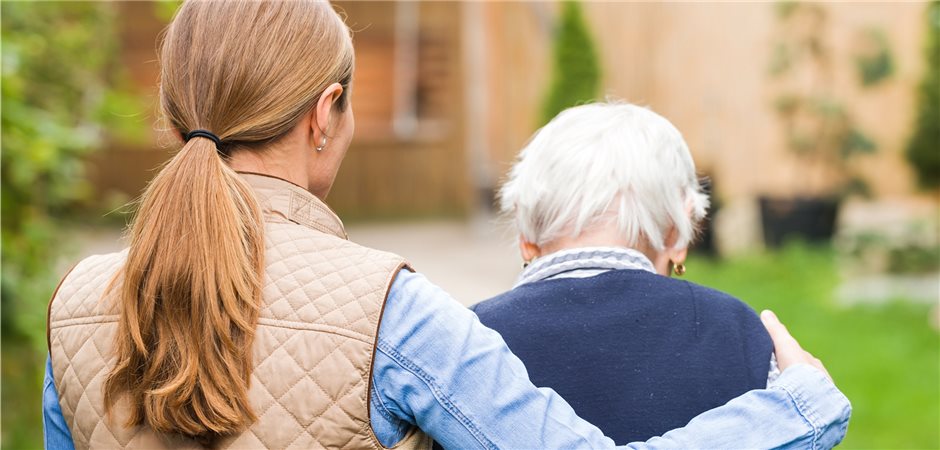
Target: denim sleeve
437, 367
56, 434
800, 409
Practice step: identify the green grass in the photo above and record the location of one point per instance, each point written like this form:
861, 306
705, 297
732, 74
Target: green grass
885, 358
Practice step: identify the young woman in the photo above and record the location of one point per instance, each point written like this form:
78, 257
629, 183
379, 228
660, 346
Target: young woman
606, 201
241, 316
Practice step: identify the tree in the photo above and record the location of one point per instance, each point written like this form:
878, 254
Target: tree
923, 150
575, 68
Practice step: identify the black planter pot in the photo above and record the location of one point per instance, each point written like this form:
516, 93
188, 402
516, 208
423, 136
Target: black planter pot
806, 218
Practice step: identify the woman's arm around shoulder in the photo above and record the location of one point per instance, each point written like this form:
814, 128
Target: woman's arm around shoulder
438, 368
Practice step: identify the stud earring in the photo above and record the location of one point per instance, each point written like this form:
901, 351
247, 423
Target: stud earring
678, 269
322, 144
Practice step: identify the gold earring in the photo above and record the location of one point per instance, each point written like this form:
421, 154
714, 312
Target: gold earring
678, 269
322, 144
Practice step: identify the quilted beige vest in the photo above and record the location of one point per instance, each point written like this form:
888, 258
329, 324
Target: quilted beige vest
313, 350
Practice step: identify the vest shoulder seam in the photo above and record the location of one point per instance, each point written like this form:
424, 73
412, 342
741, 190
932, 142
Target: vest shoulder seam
85, 320
317, 327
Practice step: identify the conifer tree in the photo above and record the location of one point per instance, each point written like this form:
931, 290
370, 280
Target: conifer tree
923, 150
575, 68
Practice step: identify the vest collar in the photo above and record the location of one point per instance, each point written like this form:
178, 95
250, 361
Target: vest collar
283, 199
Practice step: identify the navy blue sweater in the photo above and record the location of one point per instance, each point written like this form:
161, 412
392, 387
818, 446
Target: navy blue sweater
635, 353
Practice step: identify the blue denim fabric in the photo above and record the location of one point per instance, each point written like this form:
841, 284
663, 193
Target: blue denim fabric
56, 434
438, 368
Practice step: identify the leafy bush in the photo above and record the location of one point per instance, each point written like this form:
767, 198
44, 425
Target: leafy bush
60, 61
575, 69
923, 151
59, 66
876, 62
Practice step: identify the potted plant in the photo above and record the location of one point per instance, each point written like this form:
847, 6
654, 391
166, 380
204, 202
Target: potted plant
819, 130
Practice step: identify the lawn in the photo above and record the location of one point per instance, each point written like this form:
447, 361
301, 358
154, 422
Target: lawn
886, 358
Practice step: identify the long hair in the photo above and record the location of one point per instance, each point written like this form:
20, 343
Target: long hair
190, 294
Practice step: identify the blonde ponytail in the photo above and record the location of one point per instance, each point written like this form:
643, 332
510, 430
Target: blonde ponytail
190, 295
192, 287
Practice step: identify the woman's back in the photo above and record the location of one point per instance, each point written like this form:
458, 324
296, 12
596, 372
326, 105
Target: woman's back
633, 352
312, 351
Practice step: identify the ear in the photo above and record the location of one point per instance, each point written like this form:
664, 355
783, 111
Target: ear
678, 255
528, 250
323, 112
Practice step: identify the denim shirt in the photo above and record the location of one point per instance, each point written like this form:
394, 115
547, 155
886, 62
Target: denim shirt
439, 369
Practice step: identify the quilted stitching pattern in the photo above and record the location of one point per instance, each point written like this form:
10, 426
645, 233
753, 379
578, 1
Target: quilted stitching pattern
313, 348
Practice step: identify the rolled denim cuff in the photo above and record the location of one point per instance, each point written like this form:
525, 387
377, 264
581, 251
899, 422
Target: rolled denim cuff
818, 400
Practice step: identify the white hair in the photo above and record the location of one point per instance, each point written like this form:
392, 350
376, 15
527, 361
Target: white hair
604, 163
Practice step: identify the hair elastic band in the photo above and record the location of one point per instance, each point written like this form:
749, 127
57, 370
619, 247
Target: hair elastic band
205, 134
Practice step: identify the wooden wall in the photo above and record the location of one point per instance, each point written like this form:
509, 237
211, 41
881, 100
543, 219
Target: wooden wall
390, 173
387, 172
704, 66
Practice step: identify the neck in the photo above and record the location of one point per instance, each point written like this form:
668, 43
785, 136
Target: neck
258, 161
608, 238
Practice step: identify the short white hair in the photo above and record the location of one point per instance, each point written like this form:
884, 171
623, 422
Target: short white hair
604, 163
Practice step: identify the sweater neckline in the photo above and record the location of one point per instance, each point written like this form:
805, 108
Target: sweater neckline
584, 262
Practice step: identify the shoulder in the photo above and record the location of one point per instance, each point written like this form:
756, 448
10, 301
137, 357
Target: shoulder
99, 263
516, 298
417, 309
711, 305
723, 313
80, 289
301, 247
92, 271
717, 302
412, 290
492, 303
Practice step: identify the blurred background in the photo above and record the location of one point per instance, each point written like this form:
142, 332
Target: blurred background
816, 126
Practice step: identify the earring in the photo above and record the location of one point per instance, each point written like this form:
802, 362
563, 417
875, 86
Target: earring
678, 269
322, 144
526, 263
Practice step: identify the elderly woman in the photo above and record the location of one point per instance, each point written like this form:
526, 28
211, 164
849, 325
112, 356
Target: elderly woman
606, 201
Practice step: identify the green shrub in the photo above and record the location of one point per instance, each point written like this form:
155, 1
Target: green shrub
575, 68
923, 150
60, 63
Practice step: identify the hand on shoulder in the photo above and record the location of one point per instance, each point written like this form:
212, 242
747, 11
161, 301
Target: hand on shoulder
786, 347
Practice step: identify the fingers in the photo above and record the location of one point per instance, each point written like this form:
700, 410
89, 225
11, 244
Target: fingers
815, 362
786, 347
783, 341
